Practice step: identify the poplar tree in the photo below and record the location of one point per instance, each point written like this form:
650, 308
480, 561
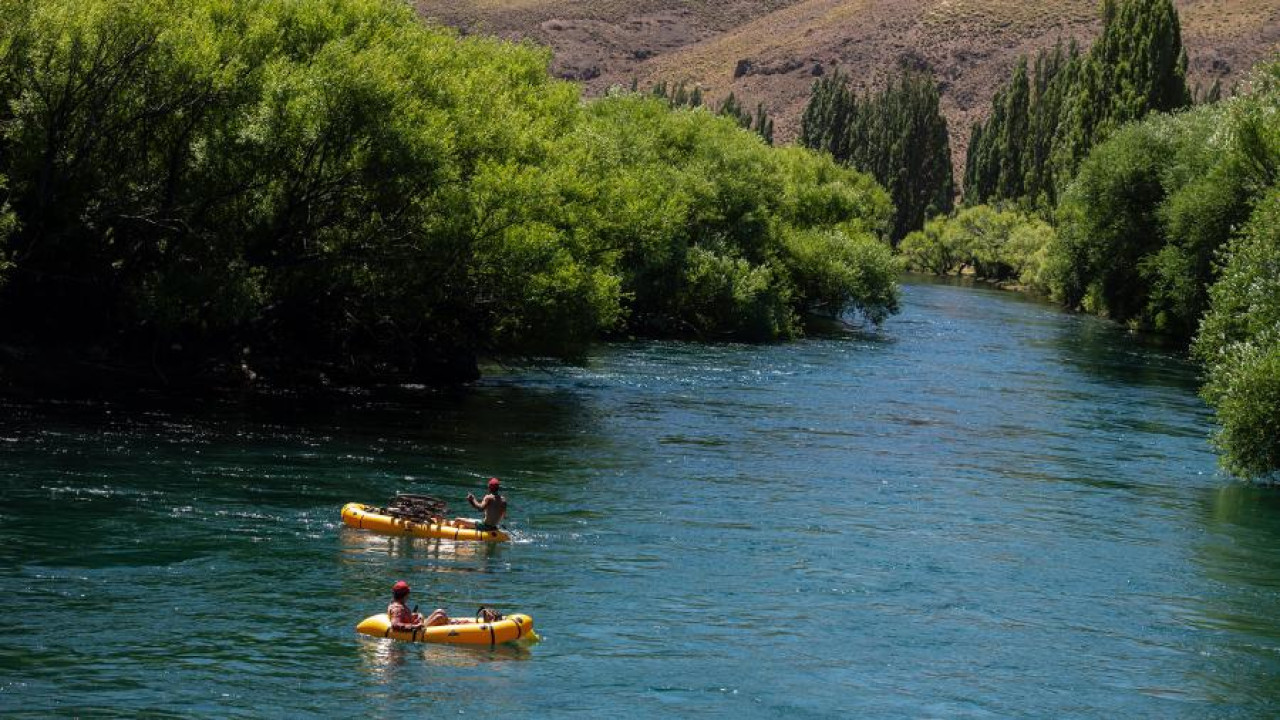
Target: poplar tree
898, 135
1044, 123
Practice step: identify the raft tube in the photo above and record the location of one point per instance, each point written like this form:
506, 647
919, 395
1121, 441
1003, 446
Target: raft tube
365, 517
508, 629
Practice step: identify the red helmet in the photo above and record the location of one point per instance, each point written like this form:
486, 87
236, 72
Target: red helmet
400, 589
494, 484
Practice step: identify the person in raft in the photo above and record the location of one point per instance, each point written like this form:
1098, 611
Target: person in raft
494, 507
406, 620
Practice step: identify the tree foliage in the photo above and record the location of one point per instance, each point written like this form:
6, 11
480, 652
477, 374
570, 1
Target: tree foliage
993, 244
1046, 119
898, 135
1153, 205
707, 243
679, 96
1239, 337
1239, 342
333, 182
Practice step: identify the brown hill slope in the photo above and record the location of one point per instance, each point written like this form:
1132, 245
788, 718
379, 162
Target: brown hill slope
770, 50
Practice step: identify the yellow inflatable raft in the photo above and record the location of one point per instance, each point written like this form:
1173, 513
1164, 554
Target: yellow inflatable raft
367, 518
508, 629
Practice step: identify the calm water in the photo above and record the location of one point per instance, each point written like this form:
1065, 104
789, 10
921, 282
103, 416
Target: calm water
987, 509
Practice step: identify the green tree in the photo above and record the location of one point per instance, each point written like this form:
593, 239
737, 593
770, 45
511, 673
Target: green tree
308, 177
828, 116
1153, 205
1239, 342
1044, 123
897, 135
712, 215
336, 186
994, 244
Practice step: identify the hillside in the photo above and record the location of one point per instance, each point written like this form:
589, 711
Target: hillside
769, 51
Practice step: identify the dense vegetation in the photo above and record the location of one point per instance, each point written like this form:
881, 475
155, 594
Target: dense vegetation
1005, 246
1048, 117
898, 135
330, 184
1239, 342
1152, 206
1169, 225
680, 96
714, 231
1148, 211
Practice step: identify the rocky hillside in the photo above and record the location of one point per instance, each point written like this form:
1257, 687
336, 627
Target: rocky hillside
769, 51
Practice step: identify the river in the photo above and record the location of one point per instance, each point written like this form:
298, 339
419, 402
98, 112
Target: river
988, 508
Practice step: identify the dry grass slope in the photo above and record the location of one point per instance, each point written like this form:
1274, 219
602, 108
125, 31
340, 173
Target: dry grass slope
769, 51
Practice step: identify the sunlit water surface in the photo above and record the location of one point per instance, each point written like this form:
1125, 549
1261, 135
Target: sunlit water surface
989, 508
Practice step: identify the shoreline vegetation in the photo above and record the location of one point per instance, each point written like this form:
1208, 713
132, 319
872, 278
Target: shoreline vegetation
313, 192
325, 191
1098, 184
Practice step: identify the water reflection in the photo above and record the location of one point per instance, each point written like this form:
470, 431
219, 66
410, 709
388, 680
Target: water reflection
1111, 353
406, 546
383, 659
1239, 553
1241, 550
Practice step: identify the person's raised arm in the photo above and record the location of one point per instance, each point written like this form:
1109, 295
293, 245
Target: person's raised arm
479, 505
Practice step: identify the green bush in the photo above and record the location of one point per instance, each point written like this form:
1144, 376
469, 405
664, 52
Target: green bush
334, 182
993, 244
1239, 342
704, 217
931, 250
1143, 220
833, 272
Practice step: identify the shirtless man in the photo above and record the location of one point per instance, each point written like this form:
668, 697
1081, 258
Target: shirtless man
494, 507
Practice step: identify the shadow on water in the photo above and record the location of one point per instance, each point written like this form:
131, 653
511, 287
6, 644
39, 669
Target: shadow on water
257, 467
1117, 356
821, 327
1093, 345
1240, 554
479, 410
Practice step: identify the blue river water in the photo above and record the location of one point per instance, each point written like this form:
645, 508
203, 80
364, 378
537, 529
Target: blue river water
988, 508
